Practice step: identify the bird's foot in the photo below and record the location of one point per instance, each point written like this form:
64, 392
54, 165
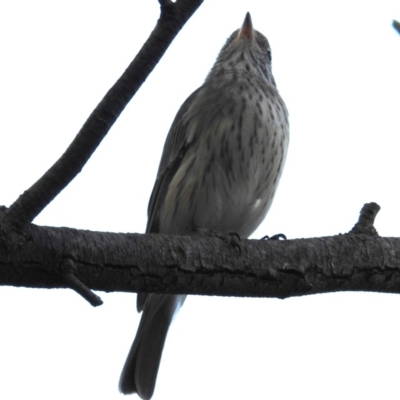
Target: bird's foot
230, 238
278, 236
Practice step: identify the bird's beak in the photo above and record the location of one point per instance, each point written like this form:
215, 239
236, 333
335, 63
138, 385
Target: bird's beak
246, 30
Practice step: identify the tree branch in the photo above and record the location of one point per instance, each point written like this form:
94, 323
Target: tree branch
38, 196
365, 224
75, 284
200, 265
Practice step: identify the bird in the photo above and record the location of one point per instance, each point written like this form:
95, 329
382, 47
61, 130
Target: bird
219, 170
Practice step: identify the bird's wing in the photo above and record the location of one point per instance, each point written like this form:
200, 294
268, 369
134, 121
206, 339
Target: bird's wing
175, 148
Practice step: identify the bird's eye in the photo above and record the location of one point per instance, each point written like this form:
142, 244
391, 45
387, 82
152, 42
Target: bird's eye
269, 54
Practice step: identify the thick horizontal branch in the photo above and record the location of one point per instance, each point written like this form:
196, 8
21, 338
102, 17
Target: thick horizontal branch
200, 265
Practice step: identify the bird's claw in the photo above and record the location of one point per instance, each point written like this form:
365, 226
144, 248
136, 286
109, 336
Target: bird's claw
278, 236
233, 239
230, 238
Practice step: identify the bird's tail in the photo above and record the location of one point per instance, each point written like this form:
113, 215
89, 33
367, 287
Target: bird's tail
141, 367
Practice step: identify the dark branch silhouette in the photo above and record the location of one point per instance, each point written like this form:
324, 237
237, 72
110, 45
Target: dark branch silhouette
203, 265
74, 283
30, 204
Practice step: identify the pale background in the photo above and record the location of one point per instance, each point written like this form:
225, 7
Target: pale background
337, 65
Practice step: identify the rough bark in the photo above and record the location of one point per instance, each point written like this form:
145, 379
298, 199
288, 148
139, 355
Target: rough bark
46, 257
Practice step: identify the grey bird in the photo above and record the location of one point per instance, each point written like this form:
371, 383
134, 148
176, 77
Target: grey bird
221, 165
